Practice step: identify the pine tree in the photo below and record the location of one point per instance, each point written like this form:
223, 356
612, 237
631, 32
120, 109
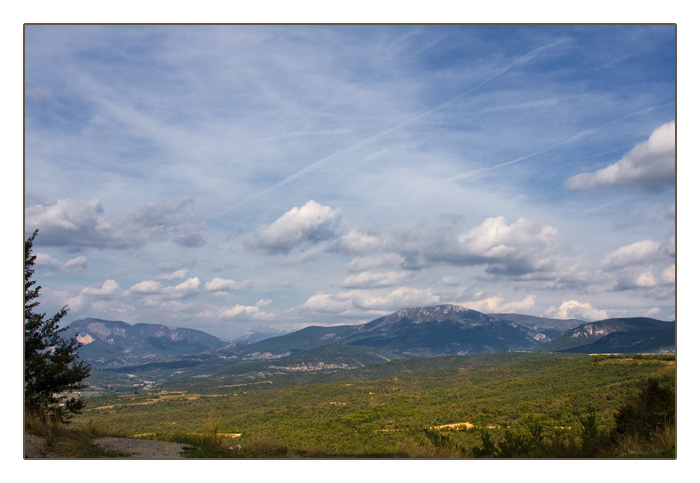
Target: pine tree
52, 368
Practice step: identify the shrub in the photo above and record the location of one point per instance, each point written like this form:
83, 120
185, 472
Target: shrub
651, 411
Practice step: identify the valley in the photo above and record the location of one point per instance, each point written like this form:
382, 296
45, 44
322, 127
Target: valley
126, 357
436, 407
439, 381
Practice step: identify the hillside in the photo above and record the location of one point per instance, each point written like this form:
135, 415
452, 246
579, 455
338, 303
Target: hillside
650, 335
403, 408
552, 328
108, 343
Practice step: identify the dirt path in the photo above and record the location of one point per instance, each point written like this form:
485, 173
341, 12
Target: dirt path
143, 448
35, 447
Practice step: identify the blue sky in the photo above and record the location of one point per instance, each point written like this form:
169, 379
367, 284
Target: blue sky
229, 177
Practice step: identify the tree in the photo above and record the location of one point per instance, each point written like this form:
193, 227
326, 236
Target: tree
52, 368
653, 409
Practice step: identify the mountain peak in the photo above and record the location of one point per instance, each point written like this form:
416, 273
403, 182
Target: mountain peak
431, 311
435, 313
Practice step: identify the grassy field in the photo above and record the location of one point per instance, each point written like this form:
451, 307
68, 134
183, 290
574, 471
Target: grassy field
442, 407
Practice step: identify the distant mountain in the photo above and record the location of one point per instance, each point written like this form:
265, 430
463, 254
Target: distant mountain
631, 342
256, 334
110, 343
413, 332
126, 355
618, 335
552, 328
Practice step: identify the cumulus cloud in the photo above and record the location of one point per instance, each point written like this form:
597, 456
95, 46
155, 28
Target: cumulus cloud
637, 266
668, 276
573, 309
310, 224
247, 312
226, 285
153, 292
81, 223
650, 165
510, 249
359, 241
176, 275
641, 252
108, 290
370, 300
327, 303
146, 287
521, 247
188, 288
497, 304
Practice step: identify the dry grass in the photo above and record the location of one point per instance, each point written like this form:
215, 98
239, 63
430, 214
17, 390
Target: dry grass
68, 441
659, 444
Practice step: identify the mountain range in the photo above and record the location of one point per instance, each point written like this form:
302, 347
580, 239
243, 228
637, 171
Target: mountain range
163, 352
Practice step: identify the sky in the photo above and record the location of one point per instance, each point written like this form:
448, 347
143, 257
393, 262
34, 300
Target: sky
243, 177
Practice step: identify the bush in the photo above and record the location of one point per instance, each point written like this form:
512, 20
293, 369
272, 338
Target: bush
650, 412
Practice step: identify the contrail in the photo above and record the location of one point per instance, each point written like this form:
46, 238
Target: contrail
312, 167
575, 137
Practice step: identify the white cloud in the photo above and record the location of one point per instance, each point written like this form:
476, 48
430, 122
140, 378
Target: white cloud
226, 285
650, 165
108, 290
188, 288
374, 280
146, 287
523, 246
573, 309
496, 241
497, 304
642, 252
155, 293
44, 260
668, 276
246, 312
176, 275
327, 303
310, 224
371, 300
65, 221
653, 312
361, 242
